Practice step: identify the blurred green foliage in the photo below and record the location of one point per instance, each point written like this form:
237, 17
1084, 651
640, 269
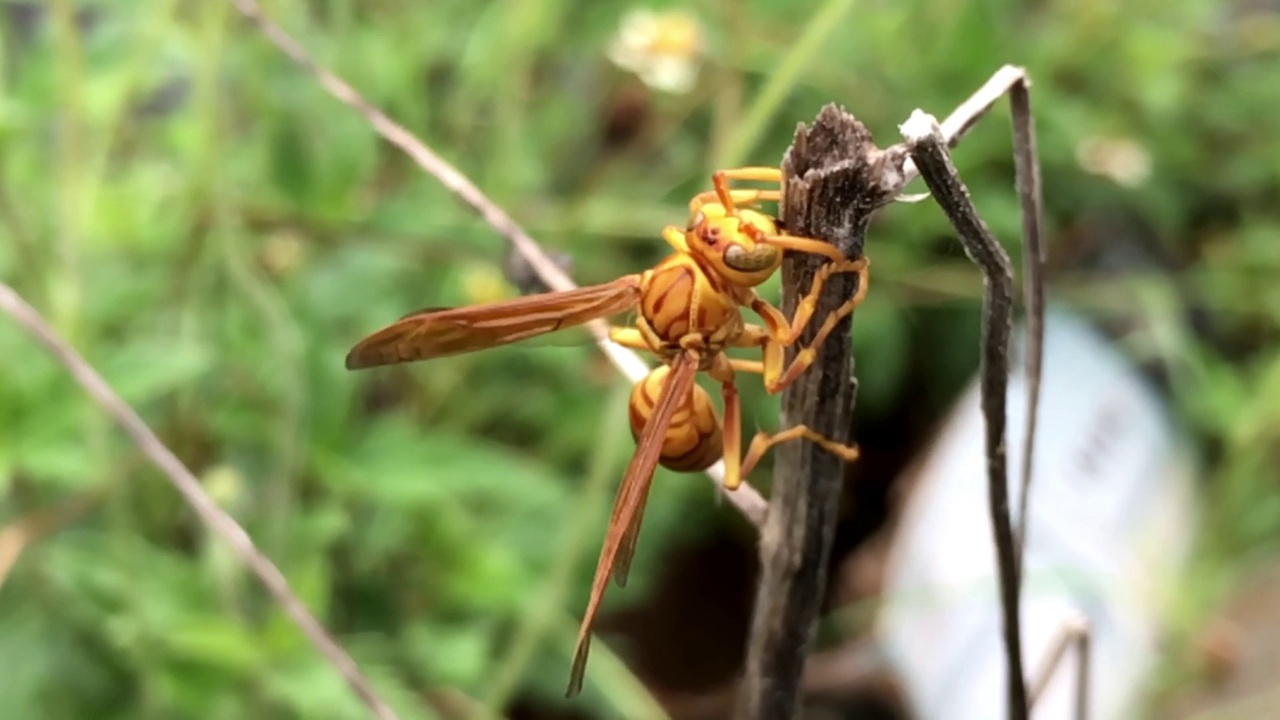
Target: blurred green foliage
212, 231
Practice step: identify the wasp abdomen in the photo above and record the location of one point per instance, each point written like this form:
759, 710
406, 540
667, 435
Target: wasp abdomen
693, 440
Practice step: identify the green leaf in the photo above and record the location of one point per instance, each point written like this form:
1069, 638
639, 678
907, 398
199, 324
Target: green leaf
150, 367
50, 444
220, 642
453, 655
310, 579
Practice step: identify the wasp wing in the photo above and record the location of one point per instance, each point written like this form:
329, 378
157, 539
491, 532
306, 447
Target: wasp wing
435, 333
628, 508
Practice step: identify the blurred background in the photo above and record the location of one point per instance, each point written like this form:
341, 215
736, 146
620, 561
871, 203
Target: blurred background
213, 232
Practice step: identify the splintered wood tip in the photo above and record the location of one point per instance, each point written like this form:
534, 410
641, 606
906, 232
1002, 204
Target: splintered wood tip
834, 137
919, 126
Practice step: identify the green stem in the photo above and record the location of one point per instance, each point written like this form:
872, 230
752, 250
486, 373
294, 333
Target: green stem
629, 697
64, 283
284, 358
782, 80
543, 611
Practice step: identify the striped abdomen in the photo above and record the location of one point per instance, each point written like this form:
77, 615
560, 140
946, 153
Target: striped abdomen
678, 299
693, 441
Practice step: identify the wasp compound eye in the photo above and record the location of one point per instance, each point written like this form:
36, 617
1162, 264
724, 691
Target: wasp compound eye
761, 258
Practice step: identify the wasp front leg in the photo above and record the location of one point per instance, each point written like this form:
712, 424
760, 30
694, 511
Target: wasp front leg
628, 337
779, 334
788, 333
729, 198
739, 198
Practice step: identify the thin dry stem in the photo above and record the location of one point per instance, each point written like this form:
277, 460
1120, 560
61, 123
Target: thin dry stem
189, 487
1014, 81
746, 498
973, 108
1027, 169
1075, 633
928, 148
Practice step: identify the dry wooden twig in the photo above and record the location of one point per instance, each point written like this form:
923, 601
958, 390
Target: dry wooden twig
835, 178
189, 487
746, 498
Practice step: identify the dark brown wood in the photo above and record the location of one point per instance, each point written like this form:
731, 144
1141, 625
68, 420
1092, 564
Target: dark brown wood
834, 180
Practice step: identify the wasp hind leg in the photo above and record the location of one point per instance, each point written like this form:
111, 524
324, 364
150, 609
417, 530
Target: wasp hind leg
737, 466
763, 442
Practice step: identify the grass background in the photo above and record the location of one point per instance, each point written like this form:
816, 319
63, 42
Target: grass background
213, 232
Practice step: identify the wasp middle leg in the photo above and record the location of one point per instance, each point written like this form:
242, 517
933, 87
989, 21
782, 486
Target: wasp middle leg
779, 333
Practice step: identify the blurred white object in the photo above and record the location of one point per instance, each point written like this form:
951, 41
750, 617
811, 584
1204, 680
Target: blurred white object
1111, 524
663, 48
1124, 160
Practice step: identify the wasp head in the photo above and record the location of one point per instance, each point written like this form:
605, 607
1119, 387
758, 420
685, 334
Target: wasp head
735, 243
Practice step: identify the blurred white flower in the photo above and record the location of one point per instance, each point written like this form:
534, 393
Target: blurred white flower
283, 252
664, 49
224, 484
1121, 159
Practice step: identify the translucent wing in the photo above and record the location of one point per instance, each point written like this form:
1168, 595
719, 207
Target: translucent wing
566, 337
628, 508
436, 333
